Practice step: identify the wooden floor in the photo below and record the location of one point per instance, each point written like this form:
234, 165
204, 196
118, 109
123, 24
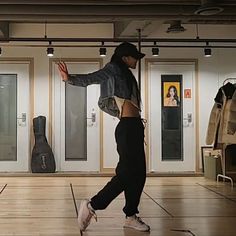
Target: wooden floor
172, 206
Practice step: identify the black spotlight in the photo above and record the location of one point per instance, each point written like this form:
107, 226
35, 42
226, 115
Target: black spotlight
155, 52
50, 52
103, 52
207, 52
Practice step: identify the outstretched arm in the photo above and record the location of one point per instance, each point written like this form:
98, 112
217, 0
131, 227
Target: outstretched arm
86, 79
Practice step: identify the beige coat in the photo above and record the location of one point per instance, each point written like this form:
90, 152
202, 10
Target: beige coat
231, 129
222, 123
213, 125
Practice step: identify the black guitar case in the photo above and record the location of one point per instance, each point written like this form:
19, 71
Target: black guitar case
42, 156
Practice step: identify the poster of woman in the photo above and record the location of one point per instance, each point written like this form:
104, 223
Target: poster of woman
171, 94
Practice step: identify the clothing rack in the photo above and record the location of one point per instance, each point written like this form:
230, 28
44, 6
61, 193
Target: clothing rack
223, 165
223, 158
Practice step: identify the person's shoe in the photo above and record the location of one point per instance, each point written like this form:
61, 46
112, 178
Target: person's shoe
135, 222
85, 214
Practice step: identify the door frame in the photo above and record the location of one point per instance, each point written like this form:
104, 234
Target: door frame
50, 127
29, 61
196, 108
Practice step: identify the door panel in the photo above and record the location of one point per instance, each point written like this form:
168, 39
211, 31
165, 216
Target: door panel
76, 121
14, 117
187, 72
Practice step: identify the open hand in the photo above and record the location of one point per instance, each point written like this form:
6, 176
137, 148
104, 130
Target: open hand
63, 70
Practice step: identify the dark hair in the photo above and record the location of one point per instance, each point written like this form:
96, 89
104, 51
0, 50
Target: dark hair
119, 61
175, 93
116, 59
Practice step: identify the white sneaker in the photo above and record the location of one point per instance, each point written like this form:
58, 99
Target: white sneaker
135, 222
85, 214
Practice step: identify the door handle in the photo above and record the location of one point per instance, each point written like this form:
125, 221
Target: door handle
93, 117
22, 119
189, 118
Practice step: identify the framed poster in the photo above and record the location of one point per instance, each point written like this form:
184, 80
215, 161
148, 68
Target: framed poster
171, 94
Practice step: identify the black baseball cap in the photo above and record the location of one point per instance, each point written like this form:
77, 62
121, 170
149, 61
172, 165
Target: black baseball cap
128, 49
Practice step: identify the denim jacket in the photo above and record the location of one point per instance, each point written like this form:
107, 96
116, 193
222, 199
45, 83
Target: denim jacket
112, 83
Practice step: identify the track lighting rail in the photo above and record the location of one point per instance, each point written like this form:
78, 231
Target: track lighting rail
113, 46
154, 43
117, 40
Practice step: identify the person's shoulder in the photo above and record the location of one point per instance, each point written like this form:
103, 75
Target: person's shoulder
110, 66
113, 67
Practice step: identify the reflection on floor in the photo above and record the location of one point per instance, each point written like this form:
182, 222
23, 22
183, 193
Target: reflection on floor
172, 206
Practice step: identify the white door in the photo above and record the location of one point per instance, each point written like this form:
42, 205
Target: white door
14, 117
76, 119
156, 92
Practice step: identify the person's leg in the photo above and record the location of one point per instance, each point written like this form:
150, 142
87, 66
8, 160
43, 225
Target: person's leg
132, 168
103, 198
116, 185
133, 193
98, 202
130, 171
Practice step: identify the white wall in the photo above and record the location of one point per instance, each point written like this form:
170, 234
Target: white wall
38, 52
212, 71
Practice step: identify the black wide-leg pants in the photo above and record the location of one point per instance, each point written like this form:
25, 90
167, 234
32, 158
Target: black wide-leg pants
131, 169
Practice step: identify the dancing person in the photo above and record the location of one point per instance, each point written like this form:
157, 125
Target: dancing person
120, 97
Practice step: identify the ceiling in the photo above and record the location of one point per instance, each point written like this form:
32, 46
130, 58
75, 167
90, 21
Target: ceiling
73, 11
124, 14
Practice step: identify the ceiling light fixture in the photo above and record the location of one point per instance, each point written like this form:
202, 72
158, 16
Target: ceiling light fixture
207, 50
102, 50
155, 50
50, 51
